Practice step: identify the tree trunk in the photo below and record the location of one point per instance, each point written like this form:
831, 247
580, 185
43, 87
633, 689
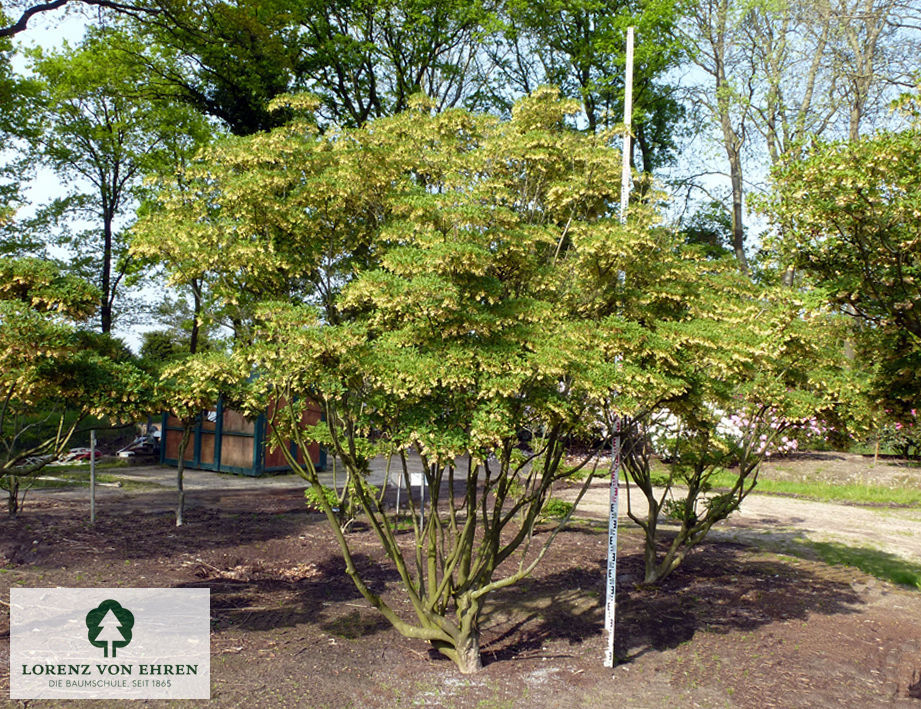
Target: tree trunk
196, 315
105, 311
180, 469
13, 500
180, 501
468, 659
733, 135
738, 230
464, 652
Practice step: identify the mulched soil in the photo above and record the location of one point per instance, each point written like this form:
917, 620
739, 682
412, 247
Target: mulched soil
734, 627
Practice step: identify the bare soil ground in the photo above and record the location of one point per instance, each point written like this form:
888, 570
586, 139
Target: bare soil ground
737, 626
844, 468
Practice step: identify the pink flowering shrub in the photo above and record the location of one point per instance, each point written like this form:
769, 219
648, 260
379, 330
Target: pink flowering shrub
751, 433
902, 434
770, 434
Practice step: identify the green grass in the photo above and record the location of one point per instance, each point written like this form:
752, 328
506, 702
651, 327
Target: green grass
823, 491
79, 476
555, 508
880, 564
61, 470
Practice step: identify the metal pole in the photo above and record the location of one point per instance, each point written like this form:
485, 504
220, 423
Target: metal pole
625, 185
92, 477
625, 179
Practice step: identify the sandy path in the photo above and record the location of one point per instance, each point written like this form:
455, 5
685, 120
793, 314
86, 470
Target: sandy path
764, 518
777, 519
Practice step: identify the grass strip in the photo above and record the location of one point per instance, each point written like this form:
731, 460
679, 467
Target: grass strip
880, 564
829, 492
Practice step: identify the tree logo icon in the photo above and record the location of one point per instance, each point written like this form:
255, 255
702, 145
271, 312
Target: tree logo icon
109, 626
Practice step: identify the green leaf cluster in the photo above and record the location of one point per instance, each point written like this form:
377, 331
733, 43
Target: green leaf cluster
53, 372
849, 217
441, 281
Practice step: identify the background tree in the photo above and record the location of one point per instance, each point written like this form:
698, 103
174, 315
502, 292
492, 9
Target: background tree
15, 15
100, 131
15, 126
181, 334
848, 218
363, 60
579, 47
781, 74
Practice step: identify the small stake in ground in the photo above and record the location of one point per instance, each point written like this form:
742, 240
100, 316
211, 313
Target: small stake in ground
92, 477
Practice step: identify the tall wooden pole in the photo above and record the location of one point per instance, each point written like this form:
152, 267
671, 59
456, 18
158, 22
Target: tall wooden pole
625, 185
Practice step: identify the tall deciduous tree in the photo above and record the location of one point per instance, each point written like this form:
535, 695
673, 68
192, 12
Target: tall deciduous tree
580, 47
781, 74
15, 126
363, 60
15, 15
849, 216
101, 130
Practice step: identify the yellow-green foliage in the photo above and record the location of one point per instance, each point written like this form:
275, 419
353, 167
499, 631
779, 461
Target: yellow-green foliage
849, 218
442, 281
53, 373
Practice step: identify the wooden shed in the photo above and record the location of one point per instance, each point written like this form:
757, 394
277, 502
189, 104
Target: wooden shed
225, 441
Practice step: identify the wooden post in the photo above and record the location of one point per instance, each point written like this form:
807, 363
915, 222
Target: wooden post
92, 477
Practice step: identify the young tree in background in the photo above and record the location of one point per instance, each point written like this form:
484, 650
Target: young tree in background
53, 373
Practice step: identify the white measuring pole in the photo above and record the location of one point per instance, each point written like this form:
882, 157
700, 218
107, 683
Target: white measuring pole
611, 586
626, 183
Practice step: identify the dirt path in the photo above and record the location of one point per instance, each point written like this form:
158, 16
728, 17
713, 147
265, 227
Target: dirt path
781, 520
893, 530
772, 519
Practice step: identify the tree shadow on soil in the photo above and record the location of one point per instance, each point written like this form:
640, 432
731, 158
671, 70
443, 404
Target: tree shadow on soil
259, 597
718, 589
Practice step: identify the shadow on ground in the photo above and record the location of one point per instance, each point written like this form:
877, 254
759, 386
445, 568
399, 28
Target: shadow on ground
719, 589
